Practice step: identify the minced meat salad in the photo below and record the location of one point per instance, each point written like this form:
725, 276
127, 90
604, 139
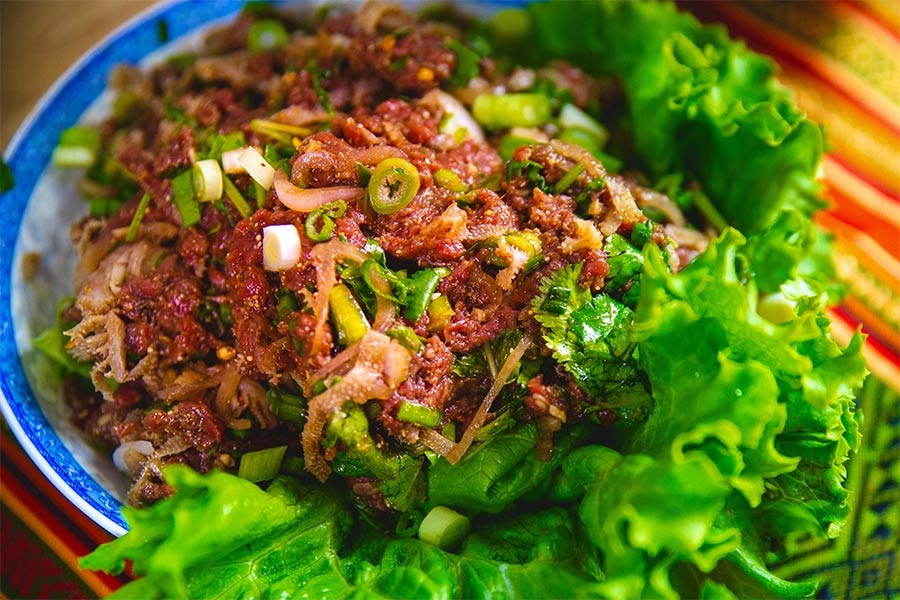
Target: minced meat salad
353, 248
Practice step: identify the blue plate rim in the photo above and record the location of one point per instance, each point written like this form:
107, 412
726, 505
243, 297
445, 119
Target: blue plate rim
130, 42
24, 416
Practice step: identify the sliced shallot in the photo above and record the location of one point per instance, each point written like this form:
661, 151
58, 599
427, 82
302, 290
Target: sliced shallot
306, 200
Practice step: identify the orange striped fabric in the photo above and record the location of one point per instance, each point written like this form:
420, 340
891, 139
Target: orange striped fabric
843, 61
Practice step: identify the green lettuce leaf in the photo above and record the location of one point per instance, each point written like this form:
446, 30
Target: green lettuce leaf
701, 104
646, 515
220, 536
494, 474
52, 342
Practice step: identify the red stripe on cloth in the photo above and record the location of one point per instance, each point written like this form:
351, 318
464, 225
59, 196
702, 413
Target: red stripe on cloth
93, 533
885, 334
783, 48
872, 340
884, 365
14, 477
53, 533
860, 206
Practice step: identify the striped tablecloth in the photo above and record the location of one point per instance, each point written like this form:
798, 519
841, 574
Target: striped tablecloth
843, 61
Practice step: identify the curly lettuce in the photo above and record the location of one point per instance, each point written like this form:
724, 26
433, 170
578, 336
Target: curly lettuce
700, 103
751, 425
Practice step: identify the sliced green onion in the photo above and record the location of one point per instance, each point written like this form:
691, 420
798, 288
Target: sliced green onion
424, 282
183, 197
407, 338
449, 431
105, 207
573, 117
347, 316
581, 137
73, 156
393, 185
319, 226
419, 414
286, 406
230, 161
447, 179
260, 194
80, 135
262, 465
443, 527
207, 180
138, 217
510, 143
496, 111
281, 247
611, 163
234, 194
439, 313
265, 35
257, 168
283, 132
568, 179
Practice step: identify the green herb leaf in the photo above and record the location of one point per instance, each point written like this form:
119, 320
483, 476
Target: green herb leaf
7, 181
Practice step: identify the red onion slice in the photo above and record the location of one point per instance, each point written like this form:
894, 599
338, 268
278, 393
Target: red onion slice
308, 200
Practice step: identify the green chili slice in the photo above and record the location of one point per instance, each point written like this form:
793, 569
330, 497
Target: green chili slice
319, 226
394, 184
335, 209
424, 282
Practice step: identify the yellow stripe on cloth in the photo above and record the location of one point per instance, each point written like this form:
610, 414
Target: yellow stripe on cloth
860, 139
873, 97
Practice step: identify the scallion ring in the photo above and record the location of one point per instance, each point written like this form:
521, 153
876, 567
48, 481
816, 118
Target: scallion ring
266, 34
394, 184
208, 184
319, 226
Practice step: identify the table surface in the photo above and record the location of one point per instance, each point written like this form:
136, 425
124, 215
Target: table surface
55, 33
